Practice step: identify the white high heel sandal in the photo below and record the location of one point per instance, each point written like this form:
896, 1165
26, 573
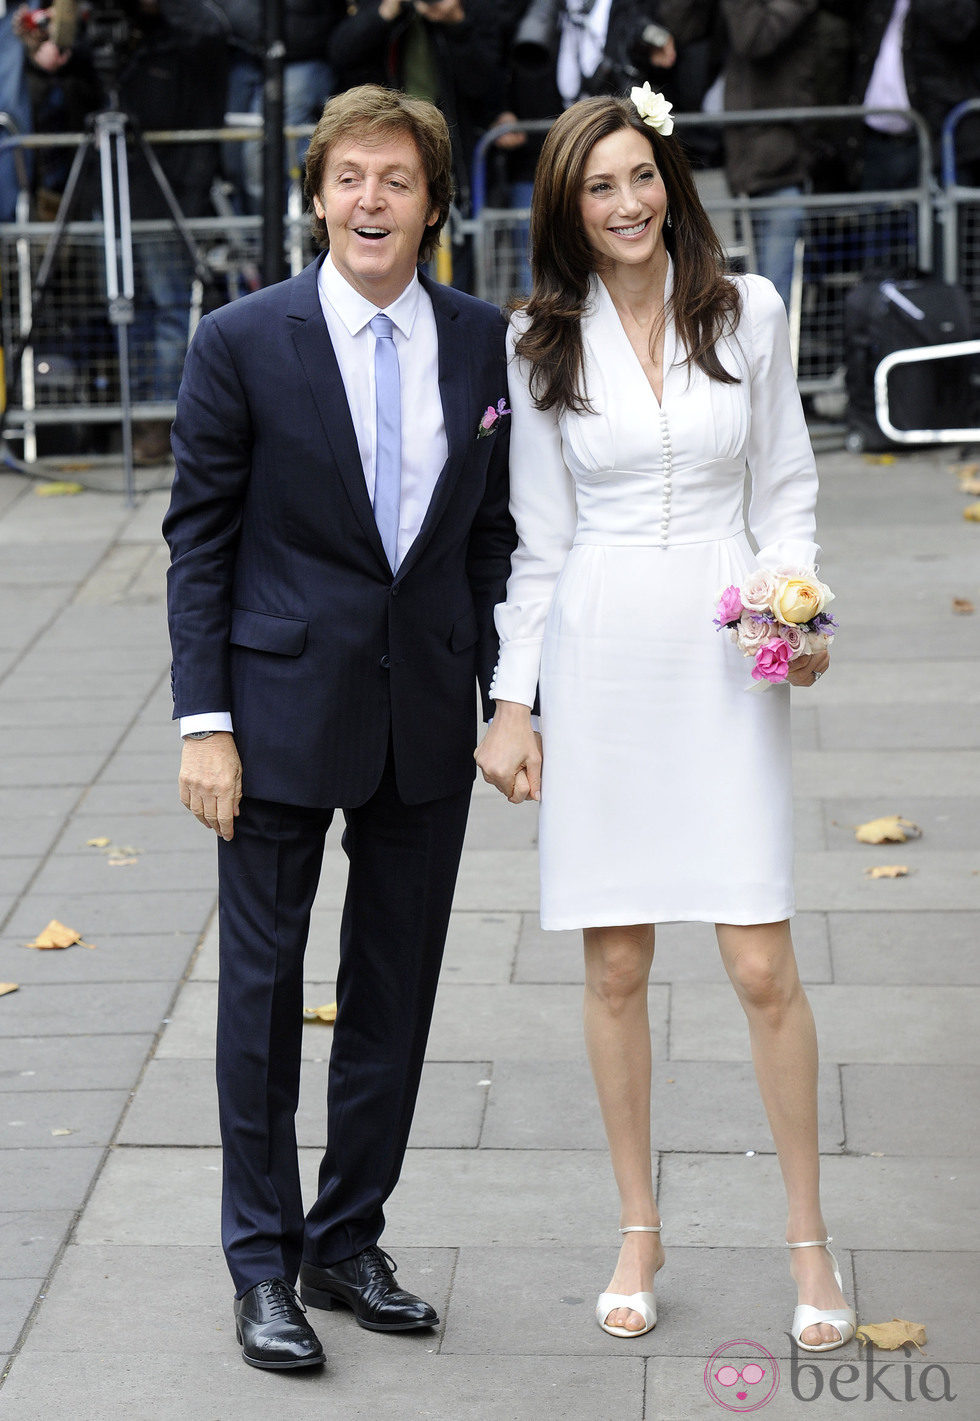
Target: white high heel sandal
843, 1318
643, 1303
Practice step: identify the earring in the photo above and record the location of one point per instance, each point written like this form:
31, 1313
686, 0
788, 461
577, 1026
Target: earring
668, 219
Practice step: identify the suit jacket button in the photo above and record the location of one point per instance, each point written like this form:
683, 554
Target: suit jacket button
395, 589
385, 662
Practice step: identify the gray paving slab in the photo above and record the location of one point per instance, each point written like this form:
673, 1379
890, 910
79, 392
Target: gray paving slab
902, 727
59, 1120
65, 738
31, 1239
15, 875
94, 872
905, 946
22, 713
185, 910
704, 1296
839, 880
548, 1105
103, 801
947, 823
936, 1288
109, 1284
158, 831
16, 1299
46, 1179
928, 1113
81, 1009
98, 1062
65, 564
378, 1387
935, 1025
726, 1200
495, 824
34, 836
36, 771
445, 1199
881, 773
138, 957
176, 1103
156, 767
924, 682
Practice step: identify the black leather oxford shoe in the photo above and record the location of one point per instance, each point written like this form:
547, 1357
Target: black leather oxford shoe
271, 1325
366, 1284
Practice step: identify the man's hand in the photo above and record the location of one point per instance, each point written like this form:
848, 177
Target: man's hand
211, 781
806, 670
508, 140
443, 12
510, 753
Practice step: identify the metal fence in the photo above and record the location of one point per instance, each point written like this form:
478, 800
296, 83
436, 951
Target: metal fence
70, 378
838, 238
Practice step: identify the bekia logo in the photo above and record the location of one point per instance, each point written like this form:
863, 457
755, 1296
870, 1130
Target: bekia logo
741, 1375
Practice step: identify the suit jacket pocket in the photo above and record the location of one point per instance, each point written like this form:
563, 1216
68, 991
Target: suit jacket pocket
261, 631
464, 633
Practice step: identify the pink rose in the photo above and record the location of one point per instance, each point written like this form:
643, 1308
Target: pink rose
771, 661
729, 607
489, 419
753, 631
795, 638
758, 590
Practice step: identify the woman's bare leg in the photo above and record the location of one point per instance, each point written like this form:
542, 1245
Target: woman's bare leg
617, 1038
760, 962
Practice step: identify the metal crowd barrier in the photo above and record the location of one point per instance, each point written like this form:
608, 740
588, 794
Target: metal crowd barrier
958, 210
68, 379
840, 237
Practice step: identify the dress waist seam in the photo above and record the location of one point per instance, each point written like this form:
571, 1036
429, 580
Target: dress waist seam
609, 540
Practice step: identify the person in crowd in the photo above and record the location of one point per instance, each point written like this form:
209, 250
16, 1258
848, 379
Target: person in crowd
445, 51
919, 54
773, 58
643, 380
556, 50
307, 80
16, 104
340, 533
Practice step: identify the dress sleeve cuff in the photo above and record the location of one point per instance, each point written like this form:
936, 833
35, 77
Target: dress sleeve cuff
790, 553
516, 674
207, 720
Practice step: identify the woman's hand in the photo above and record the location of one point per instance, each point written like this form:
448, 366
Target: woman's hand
509, 756
806, 670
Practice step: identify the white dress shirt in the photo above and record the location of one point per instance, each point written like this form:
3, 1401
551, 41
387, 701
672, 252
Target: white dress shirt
424, 443
886, 87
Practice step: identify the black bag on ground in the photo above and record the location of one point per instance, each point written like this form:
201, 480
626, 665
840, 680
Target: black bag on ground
882, 316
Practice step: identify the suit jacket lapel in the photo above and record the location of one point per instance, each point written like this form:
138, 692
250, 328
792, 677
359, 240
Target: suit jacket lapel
454, 391
315, 351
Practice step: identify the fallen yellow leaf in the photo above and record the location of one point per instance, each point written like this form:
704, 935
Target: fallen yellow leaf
879, 458
114, 862
57, 487
890, 829
972, 513
6, 987
57, 935
888, 870
62, 1132
963, 605
889, 1336
326, 1013
98, 843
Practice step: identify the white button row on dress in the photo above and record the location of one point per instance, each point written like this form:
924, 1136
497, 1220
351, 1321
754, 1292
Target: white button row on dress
668, 471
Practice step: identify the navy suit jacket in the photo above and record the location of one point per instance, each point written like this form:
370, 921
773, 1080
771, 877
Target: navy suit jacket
282, 605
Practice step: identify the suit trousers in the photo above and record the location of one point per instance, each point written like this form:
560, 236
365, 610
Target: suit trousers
403, 861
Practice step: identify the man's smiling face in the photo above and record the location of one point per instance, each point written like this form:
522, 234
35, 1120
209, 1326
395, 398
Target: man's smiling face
374, 199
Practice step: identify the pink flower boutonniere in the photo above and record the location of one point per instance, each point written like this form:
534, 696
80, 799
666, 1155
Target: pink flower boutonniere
491, 419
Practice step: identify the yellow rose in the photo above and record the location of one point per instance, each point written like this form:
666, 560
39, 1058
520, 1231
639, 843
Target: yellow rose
799, 599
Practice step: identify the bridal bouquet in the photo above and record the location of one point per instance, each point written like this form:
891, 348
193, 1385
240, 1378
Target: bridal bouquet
774, 617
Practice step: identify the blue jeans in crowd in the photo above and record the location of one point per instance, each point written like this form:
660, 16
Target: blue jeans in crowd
307, 83
15, 102
774, 232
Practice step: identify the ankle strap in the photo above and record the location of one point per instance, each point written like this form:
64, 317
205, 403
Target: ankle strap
812, 1243
641, 1228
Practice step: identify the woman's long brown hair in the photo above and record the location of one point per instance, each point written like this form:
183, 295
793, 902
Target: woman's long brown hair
705, 304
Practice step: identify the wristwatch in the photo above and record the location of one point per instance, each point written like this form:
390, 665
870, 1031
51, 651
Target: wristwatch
198, 734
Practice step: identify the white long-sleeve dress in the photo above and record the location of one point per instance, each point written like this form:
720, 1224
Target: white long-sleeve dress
666, 792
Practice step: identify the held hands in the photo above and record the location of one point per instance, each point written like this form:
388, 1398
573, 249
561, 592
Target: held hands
806, 670
211, 782
510, 753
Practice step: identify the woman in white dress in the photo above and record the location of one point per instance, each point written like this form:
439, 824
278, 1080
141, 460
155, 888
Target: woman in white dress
643, 381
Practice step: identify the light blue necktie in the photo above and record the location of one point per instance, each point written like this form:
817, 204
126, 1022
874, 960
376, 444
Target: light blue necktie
388, 447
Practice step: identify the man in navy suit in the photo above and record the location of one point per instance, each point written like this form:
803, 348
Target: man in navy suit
326, 649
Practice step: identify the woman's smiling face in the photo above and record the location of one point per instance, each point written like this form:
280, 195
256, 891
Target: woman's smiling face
624, 201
